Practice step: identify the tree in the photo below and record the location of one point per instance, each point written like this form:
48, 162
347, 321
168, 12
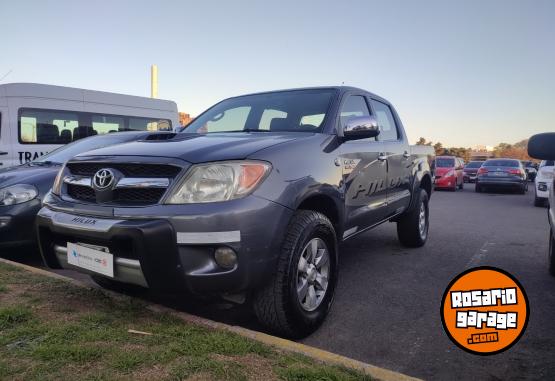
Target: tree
423, 142
438, 147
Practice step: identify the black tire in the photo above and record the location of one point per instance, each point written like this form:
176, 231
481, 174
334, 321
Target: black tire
114, 285
408, 225
276, 304
551, 253
523, 189
478, 188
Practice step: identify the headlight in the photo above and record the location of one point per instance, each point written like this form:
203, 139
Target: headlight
219, 182
450, 173
17, 194
57, 186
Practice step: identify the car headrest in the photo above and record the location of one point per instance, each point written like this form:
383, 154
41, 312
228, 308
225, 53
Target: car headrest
47, 133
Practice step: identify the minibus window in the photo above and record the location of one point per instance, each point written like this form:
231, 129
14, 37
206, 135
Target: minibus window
38, 126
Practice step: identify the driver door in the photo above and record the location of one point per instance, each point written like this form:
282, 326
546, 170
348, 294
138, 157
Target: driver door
364, 173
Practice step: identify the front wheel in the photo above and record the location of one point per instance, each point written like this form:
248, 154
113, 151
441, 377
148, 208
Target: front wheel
297, 298
412, 227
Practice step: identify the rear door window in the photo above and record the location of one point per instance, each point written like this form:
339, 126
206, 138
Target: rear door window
386, 121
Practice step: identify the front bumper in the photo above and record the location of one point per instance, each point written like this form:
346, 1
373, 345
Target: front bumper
171, 248
542, 189
469, 177
445, 182
16, 223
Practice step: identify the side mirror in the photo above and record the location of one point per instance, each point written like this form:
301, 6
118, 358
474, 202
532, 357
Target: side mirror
361, 127
542, 146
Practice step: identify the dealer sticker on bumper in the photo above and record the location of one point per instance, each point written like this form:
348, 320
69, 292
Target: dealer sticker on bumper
90, 259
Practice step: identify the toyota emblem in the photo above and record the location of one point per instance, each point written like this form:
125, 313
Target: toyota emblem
103, 179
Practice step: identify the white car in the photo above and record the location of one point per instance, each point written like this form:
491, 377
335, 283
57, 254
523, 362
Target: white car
543, 182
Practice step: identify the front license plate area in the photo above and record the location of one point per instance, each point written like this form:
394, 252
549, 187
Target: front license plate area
92, 258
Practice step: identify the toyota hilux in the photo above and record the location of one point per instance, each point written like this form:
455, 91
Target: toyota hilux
249, 203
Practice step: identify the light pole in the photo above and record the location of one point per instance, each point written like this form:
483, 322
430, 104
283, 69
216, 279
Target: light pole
154, 81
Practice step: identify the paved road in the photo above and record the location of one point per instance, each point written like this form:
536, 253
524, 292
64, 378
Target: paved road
386, 311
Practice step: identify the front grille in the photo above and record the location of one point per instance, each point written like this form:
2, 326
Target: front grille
81, 192
128, 169
138, 195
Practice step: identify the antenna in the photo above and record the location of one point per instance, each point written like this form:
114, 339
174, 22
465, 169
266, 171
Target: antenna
5, 75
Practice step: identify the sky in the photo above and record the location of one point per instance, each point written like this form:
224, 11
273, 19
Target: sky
464, 73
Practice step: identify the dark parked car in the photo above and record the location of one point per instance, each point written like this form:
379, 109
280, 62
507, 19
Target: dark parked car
250, 202
23, 187
502, 174
531, 169
470, 171
542, 146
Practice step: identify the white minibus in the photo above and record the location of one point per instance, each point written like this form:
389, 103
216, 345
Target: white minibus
36, 119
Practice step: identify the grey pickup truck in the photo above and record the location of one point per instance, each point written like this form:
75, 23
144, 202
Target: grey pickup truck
250, 202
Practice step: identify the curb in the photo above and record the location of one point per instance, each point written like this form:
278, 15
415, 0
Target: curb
322, 356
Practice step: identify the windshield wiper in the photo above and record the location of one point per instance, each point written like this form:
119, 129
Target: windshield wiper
245, 130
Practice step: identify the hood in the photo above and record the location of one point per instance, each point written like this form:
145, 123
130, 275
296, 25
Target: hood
441, 171
196, 148
40, 176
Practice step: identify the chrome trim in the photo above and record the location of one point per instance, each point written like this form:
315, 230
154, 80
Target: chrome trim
143, 182
76, 222
78, 180
209, 237
125, 270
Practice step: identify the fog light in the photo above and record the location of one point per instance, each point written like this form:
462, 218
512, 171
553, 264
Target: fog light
4, 221
225, 257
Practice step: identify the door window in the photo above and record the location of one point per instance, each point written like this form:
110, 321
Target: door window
354, 106
386, 121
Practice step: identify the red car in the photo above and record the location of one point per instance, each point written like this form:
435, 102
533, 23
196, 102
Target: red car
449, 173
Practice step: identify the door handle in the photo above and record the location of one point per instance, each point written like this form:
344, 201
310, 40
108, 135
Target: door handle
382, 157
3, 153
406, 155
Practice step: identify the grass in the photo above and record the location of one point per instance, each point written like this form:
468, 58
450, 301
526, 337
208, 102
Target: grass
52, 330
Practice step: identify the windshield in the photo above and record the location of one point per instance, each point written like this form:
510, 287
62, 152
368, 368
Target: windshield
502, 163
445, 163
295, 110
64, 153
474, 164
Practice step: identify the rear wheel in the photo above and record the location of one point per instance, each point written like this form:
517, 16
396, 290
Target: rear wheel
412, 227
551, 253
478, 188
297, 298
